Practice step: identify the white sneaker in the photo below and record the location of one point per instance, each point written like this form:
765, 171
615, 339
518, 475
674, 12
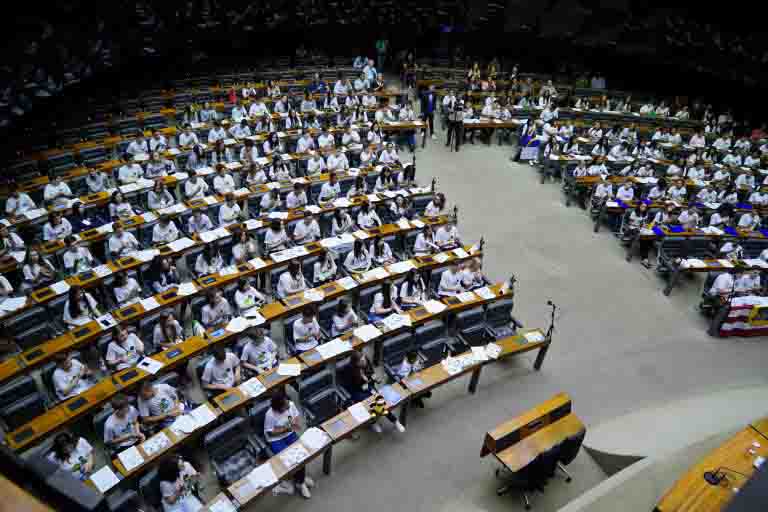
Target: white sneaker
283, 488
399, 426
308, 480
304, 490
376, 428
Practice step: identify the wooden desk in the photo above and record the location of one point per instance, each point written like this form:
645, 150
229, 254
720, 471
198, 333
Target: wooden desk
691, 493
519, 455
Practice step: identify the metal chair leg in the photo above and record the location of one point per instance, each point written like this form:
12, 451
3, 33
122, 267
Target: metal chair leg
526, 501
568, 477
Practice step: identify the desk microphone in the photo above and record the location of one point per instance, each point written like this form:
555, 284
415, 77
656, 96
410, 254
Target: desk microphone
718, 475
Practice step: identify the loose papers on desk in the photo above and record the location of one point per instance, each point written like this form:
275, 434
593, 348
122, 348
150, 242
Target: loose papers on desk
466, 297
238, 324
222, 504
479, 354
181, 244
106, 228
262, 476
403, 224
12, 303
376, 273
252, 388
534, 337
347, 283
360, 413
183, 425
360, 234
102, 270
434, 306
149, 304
131, 458
401, 267
314, 295
203, 415
293, 455
252, 224
693, 263
315, 439
60, 287
150, 365
418, 223
441, 258
149, 217
460, 253
185, 289
367, 332
155, 444
493, 350
395, 321
278, 215
228, 271
485, 293
289, 369
104, 479
146, 255
725, 263
257, 263
333, 348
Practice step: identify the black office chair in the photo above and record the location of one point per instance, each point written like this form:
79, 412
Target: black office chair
257, 412
126, 501
323, 406
499, 320
394, 351
568, 452
20, 402
470, 326
314, 384
290, 345
232, 451
149, 488
526, 480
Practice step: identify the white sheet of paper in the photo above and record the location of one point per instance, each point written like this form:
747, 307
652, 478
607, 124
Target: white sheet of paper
203, 415
185, 289
228, 271
403, 224
155, 444
222, 504
262, 476
278, 215
401, 267
493, 350
441, 258
460, 253
348, 283
485, 293
466, 297
315, 439
257, 263
367, 332
252, 387
252, 224
361, 235
148, 216
147, 255
238, 324
254, 318
434, 306
181, 244
104, 479
534, 337
314, 295
293, 455
360, 413
102, 270
479, 354
150, 365
184, 425
131, 458
60, 287
208, 236
149, 304
419, 224
289, 370
13, 303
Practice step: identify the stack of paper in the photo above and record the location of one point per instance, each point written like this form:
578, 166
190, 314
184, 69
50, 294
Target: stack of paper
102, 270
262, 476
289, 369
181, 244
149, 304
434, 306
360, 413
281, 255
460, 253
238, 324
367, 332
146, 255
347, 283
293, 455
252, 224
183, 425
209, 236
12, 304
479, 354
493, 350
156, 444
210, 200
401, 267
203, 415
104, 479
314, 295
252, 388
131, 458
315, 439
150, 365
333, 348
534, 337
60, 287
441, 258
185, 289
485, 293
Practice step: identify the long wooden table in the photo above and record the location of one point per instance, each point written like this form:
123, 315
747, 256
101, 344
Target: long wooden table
691, 493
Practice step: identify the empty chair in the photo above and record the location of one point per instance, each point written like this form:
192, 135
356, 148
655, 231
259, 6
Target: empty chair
314, 384
323, 406
13, 392
61, 163
232, 451
290, 345
124, 501
23, 410
365, 300
526, 480
431, 342
325, 315
568, 451
149, 488
470, 326
16, 325
498, 319
92, 156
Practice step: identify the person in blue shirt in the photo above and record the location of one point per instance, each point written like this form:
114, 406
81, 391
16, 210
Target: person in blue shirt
428, 105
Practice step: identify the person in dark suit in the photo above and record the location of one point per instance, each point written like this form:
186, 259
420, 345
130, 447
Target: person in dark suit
428, 105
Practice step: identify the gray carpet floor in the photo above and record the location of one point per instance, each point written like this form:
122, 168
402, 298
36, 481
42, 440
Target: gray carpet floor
619, 345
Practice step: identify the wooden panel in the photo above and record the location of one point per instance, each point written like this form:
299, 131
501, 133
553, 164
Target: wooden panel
522, 453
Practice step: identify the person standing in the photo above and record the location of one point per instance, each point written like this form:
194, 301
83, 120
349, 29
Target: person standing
428, 103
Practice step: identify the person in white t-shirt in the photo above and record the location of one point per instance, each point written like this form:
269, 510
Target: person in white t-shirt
450, 282
74, 455
121, 430
125, 350
122, 243
158, 404
222, 371
247, 296
260, 354
164, 231
56, 192
71, 377
177, 480
306, 331
281, 424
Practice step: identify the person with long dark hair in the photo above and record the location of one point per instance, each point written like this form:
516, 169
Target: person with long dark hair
167, 332
80, 307
177, 482
384, 303
74, 455
358, 260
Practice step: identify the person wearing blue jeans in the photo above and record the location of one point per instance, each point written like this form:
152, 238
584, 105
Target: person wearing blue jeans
281, 424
